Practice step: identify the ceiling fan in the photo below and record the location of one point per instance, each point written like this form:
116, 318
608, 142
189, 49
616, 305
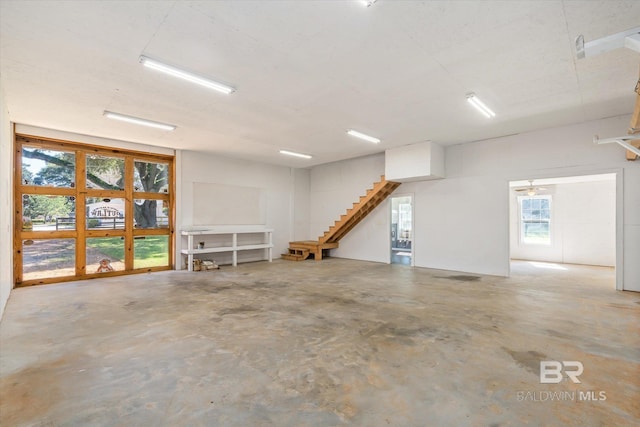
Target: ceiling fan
531, 190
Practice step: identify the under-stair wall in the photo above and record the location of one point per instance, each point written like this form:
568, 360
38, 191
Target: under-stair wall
333, 188
371, 199
359, 210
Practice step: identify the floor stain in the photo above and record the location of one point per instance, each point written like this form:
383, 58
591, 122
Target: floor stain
326, 299
556, 334
238, 310
530, 360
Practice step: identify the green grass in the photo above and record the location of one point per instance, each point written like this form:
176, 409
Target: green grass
113, 247
151, 251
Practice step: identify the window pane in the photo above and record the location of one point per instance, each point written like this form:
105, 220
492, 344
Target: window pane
151, 251
105, 254
151, 177
44, 258
105, 213
48, 167
105, 173
151, 213
536, 232
544, 204
535, 204
41, 212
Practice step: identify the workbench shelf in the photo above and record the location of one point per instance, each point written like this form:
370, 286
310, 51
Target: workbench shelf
232, 239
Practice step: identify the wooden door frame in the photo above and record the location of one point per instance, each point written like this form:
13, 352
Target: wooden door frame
80, 192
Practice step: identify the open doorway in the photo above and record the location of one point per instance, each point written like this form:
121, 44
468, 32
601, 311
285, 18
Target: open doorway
556, 223
402, 230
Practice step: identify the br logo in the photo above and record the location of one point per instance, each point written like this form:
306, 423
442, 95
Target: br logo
551, 371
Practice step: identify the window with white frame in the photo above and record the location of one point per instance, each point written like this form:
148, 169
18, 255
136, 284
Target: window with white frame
535, 219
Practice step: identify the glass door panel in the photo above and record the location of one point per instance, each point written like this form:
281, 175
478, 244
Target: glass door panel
150, 213
151, 251
105, 214
48, 168
45, 258
48, 212
401, 230
151, 177
105, 173
105, 254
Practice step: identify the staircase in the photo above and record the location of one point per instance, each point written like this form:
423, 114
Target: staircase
299, 251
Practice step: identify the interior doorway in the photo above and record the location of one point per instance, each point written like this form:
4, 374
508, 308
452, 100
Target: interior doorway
402, 230
559, 222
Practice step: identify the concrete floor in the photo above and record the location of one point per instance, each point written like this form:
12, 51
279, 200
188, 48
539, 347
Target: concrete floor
326, 343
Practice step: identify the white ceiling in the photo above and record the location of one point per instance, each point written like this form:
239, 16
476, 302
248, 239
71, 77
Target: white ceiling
306, 71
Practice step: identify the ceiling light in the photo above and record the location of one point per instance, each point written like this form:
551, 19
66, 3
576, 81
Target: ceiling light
291, 153
363, 136
138, 121
185, 75
480, 106
530, 190
368, 3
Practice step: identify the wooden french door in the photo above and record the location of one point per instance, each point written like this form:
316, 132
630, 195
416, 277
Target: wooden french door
85, 211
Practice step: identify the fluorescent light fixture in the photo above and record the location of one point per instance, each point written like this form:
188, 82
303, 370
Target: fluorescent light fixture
368, 3
480, 106
363, 136
291, 153
185, 75
138, 121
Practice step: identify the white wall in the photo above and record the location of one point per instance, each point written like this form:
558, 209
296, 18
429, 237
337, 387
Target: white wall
462, 221
276, 182
334, 189
301, 204
583, 225
6, 206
